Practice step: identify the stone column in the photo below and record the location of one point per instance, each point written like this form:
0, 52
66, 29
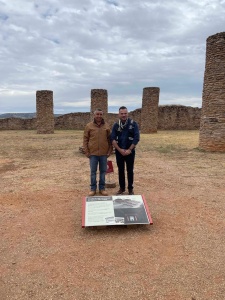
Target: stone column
149, 110
99, 99
212, 125
44, 112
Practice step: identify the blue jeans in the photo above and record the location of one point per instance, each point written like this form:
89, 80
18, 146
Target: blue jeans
94, 162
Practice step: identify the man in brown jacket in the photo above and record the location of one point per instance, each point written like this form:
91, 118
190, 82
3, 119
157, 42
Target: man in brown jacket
97, 147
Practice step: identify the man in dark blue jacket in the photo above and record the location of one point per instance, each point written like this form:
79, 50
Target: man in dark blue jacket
125, 136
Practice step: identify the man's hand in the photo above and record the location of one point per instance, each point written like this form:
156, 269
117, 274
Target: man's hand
128, 152
125, 152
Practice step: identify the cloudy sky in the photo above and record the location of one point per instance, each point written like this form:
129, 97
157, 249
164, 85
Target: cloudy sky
73, 46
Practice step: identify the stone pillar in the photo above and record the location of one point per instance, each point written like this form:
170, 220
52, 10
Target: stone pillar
212, 125
149, 110
99, 99
44, 112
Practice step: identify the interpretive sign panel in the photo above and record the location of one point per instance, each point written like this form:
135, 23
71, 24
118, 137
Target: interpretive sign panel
115, 210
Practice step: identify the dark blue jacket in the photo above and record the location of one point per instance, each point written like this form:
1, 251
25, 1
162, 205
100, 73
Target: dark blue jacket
127, 136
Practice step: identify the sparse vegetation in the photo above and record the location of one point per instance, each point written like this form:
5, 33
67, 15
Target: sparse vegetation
45, 254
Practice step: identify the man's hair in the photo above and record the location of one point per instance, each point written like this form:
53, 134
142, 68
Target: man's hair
122, 107
98, 109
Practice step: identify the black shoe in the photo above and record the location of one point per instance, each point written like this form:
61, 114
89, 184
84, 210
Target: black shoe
120, 192
131, 192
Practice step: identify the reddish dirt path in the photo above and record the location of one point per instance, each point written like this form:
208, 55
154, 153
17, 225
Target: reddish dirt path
45, 254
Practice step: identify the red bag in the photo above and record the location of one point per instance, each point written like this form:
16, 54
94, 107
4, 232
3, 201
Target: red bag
109, 167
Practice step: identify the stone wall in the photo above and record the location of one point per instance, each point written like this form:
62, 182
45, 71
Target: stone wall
178, 117
170, 117
18, 124
72, 121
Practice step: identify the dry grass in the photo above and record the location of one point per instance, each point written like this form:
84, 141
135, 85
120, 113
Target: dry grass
177, 140
45, 254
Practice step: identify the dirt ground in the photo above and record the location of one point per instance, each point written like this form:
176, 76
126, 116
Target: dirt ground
46, 254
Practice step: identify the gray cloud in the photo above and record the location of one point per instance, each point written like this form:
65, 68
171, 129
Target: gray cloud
119, 45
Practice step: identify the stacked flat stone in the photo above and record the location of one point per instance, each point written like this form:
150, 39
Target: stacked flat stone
179, 117
212, 125
149, 111
170, 117
44, 112
99, 99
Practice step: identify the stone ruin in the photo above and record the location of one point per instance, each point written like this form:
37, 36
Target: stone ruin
151, 117
44, 112
212, 125
149, 113
170, 117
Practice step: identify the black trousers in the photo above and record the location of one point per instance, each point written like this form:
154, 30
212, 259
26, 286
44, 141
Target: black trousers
129, 161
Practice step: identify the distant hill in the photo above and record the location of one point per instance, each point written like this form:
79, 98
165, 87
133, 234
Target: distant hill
22, 115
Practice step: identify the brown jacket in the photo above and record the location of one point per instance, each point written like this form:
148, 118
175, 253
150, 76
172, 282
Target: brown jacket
96, 139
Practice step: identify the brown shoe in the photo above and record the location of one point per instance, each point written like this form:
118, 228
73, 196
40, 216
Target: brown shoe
120, 192
103, 193
92, 193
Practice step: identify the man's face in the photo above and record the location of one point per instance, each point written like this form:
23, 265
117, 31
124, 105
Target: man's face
123, 114
98, 115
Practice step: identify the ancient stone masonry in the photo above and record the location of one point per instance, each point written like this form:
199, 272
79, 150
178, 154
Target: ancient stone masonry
149, 114
72, 121
99, 99
212, 126
45, 114
17, 124
178, 117
150, 118
170, 117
